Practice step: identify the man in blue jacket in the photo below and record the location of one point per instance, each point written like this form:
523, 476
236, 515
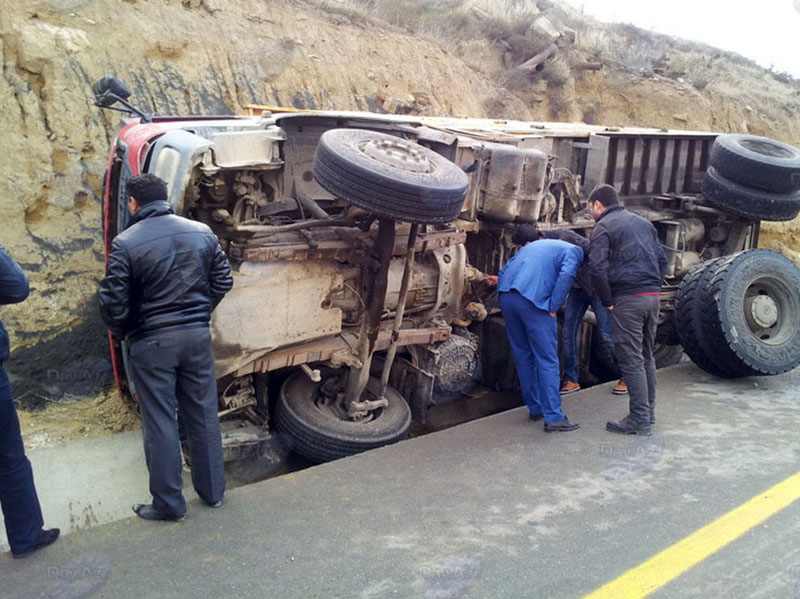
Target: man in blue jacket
628, 266
22, 513
533, 286
165, 275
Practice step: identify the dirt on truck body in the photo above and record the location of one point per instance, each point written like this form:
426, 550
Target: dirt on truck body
358, 242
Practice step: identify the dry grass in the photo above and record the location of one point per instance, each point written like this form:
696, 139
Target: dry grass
506, 27
107, 413
556, 72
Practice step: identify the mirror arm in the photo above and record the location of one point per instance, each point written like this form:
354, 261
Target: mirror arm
129, 108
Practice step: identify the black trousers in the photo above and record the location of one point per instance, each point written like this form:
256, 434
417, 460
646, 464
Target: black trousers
635, 320
22, 514
171, 368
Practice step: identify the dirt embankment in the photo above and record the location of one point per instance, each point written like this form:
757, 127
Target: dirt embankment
177, 57
209, 56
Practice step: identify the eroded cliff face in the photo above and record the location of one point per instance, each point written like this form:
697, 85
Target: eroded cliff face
214, 57
178, 58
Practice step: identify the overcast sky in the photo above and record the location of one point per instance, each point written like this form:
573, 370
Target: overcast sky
767, 31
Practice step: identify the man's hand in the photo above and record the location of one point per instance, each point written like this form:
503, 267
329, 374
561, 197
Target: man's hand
490, 280
609, 307
552, 314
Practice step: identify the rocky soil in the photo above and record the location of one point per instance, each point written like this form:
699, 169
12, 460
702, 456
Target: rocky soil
209, 56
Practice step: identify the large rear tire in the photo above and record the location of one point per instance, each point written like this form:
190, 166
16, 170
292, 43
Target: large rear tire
690, 305
744, 314
389, 176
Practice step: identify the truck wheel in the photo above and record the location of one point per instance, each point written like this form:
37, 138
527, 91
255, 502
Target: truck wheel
755, 204
389, 176
667, 355
319, 432
689, 309
602, 366
757, 162
749, 305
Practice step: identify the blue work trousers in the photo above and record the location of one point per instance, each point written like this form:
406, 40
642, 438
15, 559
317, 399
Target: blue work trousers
578, 301
533, 335
22, 514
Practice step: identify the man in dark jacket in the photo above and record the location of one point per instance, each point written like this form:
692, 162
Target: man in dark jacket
22, 513
580, 297
628, 266
165, 275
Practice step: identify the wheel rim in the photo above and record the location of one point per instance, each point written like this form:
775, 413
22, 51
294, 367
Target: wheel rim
330, 406
397, 154
768, 305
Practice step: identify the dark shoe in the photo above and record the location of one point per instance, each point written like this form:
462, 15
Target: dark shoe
46, 537
213, 503
627, 427
562, 426
148, 512
535, 417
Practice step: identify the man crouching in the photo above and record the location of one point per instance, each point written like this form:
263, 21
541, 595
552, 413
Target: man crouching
532, 288
165, 275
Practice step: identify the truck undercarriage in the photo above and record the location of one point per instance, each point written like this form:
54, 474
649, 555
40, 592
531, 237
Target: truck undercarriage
358, 242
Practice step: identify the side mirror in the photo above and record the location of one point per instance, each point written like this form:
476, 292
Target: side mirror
109, 90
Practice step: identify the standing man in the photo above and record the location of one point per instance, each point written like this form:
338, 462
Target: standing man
628, 266
580, 297
22, 513
532, 287
165, 275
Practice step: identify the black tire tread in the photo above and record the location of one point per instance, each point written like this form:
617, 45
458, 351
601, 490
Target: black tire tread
716, 337
425, 198
776, 175
753, 204
365, 194
316, 445
689, 307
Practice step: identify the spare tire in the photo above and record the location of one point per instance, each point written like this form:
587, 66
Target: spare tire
749, 311
757, 162
389, 176
321, 434
754, 204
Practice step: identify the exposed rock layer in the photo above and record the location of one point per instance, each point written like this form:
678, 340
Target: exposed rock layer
207, 56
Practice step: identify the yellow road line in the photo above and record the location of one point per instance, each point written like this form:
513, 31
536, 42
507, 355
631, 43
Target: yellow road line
676, 559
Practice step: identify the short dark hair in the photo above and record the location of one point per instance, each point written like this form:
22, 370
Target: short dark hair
605, 194
147, 188
524, 233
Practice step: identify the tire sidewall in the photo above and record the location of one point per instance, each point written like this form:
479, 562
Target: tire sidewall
339, 143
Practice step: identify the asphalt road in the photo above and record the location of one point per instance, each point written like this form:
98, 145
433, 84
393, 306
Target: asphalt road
492, 508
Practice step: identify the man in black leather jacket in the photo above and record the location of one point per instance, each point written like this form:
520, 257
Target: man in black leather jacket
21, 510
165, 275
628, 266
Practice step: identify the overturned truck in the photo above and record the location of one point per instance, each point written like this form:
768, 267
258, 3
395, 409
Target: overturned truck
358, 241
